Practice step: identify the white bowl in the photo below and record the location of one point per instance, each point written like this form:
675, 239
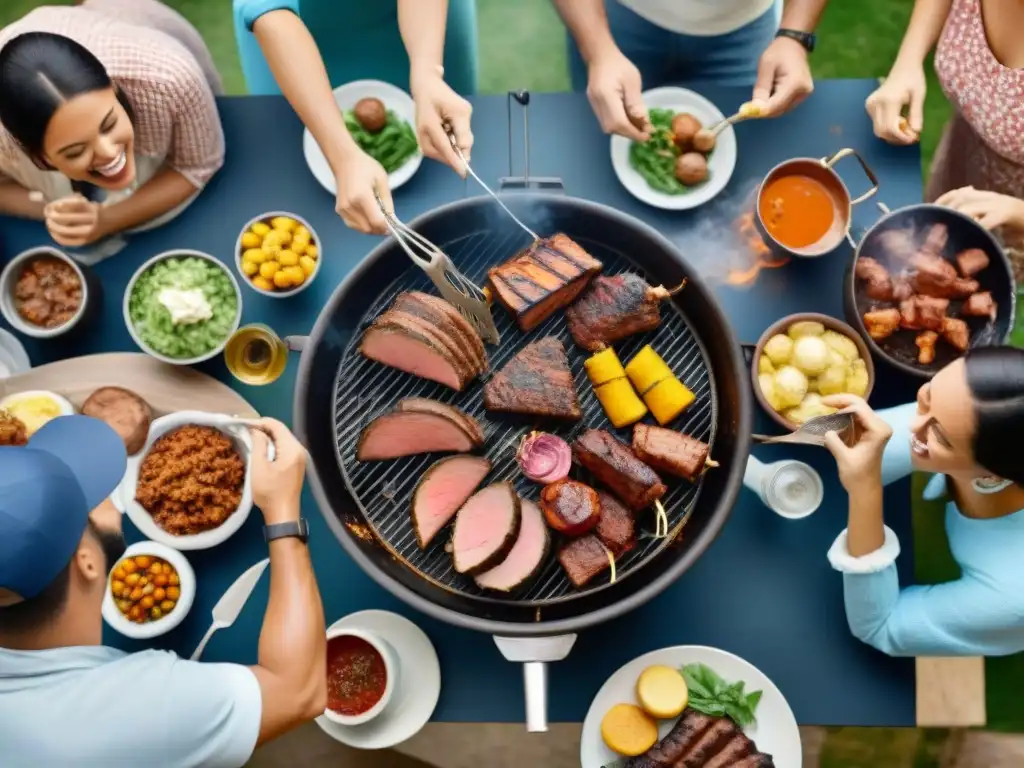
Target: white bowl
266, 217
8, 279
346, 97
721, 164
181, 253
144, 521
390, 667
186, 575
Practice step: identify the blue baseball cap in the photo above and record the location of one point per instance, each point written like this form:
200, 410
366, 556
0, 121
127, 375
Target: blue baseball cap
47, 490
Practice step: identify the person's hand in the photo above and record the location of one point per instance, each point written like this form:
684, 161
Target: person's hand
438, 106
783, 77
862, 463
276, 483
990, 209
359, 179
73, 221
614, 88
905, 87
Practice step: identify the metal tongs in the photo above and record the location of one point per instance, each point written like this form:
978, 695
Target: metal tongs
454, 287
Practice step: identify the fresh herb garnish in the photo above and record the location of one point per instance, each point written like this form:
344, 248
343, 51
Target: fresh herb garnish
713, 696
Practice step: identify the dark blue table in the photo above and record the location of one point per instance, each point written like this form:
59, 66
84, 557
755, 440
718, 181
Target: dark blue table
764, 590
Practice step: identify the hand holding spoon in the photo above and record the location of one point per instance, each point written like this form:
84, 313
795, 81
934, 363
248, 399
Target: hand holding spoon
704, 140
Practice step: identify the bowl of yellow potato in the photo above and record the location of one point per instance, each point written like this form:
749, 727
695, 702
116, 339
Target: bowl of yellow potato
278, 254
803, 358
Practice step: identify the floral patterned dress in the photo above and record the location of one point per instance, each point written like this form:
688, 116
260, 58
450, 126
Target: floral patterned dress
983, 144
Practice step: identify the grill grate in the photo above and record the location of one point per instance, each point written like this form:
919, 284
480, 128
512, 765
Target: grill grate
383, 490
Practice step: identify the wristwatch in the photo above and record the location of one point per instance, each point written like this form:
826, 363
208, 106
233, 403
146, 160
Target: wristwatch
298, 529
806, 39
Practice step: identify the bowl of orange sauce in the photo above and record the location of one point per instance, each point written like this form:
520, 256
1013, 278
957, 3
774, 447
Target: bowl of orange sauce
804, 207
361, 674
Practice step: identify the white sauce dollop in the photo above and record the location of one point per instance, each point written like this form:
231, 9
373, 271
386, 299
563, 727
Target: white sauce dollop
186, 307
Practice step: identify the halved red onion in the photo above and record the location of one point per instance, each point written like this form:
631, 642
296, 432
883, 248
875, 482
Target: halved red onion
544, 458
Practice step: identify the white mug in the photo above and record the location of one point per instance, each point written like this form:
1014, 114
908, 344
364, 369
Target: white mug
791, 489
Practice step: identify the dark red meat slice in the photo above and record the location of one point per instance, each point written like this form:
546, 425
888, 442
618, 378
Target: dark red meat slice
684, 734
486, 529
972, 261
526, 557
734, 750
616, 526
412, 352
584, 558
570, 507
442, 489
536, 382
406, 433
669, 451
613, 308
759, 760
426, 405
616, 466
709, 744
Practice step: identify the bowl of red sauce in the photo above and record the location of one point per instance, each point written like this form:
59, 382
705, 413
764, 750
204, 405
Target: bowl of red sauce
361, 675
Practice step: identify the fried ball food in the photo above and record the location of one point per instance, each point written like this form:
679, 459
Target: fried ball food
12, 430
371, 114
691, 168
704, 140
684, 126
191, 480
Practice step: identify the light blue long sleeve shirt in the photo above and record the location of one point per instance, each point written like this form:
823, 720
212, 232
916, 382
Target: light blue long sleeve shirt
979, 614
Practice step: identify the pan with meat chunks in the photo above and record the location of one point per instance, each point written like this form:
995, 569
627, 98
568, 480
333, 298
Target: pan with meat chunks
926, 284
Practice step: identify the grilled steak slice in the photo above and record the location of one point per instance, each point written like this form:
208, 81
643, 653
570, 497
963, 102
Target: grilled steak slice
405, 321
526, 557
442, 489
411, 304
406, 433
613, 308
542, 278
569, 507
972, 261
616, 527
684, 734
671, 452
468, 331
426, 405
617, 467
584, 558
758, 760
537, 381
486, 529
709, 744
737, 748
412, 352
980, 305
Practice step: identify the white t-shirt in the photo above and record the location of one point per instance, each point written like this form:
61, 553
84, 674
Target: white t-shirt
97, 707
699, 17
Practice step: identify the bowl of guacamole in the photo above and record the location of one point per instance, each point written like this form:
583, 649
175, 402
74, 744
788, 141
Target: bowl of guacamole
181, 307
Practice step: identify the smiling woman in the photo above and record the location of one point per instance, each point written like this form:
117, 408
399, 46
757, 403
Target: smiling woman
116, 96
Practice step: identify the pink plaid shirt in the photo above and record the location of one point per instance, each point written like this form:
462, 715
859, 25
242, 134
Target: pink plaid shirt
160, 63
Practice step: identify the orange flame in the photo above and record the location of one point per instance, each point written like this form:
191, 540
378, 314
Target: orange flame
761, 255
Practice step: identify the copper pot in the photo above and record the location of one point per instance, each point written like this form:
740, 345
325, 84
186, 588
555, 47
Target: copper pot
823, 171
781, 326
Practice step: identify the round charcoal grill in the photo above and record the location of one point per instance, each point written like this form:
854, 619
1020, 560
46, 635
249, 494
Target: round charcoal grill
367, 503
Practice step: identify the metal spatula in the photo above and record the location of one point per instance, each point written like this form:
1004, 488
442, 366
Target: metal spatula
813, 431
454, 287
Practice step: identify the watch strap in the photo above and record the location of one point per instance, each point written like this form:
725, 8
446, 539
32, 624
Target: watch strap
806, 39
298, 529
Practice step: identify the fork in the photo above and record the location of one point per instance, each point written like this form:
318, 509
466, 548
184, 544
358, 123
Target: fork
812, 431
454, 287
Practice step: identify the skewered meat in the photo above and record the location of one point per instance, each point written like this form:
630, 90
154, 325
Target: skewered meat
935, 240
442, 489
486, 528
613, 308
430, 310
972, 261
882, 323
412, 352
570, 507
617, 467
537, 382
980, 305
542, 278
406, 433
526, 557
923, 313
616, 527
925, 342
879, 283
956, 332
583, 558
426, 405
127, 413
672, 452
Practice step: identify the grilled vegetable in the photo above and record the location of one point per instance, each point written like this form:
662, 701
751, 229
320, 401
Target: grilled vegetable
665, 395
604, 367
544, 458
646, 369
613, 389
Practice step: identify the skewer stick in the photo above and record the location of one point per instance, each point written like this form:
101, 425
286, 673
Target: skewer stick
660, 521
678, 288
611, 561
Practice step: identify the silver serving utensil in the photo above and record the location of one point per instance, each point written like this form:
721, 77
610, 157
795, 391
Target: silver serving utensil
813, 431
230, 605
454, 287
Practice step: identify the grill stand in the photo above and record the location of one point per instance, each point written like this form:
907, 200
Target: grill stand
525, 182
535, 653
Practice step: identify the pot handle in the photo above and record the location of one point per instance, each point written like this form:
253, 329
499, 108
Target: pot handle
749, 350
535, 653
829, 162
849, 238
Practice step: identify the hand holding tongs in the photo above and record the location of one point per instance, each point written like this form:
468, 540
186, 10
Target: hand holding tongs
453, 286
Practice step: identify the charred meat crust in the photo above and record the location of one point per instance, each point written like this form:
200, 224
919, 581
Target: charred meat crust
536, 382
415, 335
671, 452
611, 309
421, 305
615, 465
383, 420
426, 405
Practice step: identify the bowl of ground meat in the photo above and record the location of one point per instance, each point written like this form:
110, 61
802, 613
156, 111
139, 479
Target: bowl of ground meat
188, 487
44, 293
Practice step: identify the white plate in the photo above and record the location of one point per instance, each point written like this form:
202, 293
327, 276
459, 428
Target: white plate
721, 164
13, 357
775, 732
417, 691
345, 97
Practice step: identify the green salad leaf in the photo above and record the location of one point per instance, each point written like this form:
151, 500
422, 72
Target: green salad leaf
715, 697
391, 146
655, 159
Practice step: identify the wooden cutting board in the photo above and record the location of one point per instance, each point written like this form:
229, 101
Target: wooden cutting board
167, 388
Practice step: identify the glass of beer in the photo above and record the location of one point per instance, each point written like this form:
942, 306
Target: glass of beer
256, 355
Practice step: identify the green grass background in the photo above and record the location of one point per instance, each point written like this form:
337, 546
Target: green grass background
522, 45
